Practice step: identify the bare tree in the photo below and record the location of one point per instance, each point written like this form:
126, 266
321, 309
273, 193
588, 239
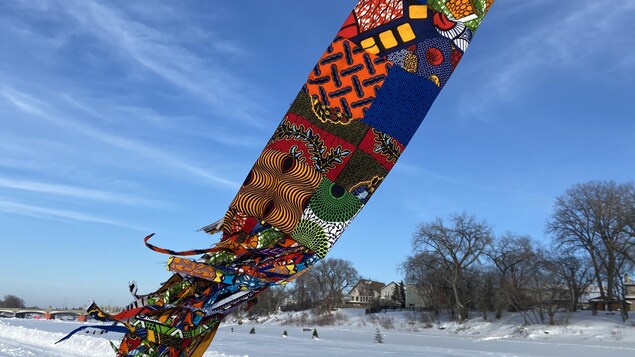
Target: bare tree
331, 277
574, 272
528, 286
12, 301
269, 301
456, 247
483, 281
629, 229
548, 286
425, 271
511, 254
597, 218
304, 294
621, 292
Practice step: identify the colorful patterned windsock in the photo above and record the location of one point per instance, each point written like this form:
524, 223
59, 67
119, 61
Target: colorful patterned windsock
355, 114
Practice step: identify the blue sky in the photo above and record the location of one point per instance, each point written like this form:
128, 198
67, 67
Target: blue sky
118, 119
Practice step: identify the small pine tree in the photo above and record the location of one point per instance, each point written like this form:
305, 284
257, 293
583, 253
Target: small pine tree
398, 296
315, 334
284, 334
378, 337
252, 331
395, 296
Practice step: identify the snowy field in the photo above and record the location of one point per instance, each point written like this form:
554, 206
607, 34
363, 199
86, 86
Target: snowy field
584, 335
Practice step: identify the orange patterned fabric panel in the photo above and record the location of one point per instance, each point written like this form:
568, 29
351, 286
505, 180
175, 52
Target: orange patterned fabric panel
344, 82
277, 189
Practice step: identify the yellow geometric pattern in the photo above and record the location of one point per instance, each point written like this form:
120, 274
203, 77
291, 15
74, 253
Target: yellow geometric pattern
370, 45
388, 39
418, 11
406, 33
393, 37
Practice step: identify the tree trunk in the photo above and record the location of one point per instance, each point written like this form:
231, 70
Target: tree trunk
624, 310
457, 299
610, 277
552, 313
598, 277
574, 301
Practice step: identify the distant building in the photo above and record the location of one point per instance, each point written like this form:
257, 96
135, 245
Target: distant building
629, 290
364, 293
601, 304
596, 302
415, 297
584, 300
386, 294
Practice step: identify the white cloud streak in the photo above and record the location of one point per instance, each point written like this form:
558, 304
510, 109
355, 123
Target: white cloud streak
590, 36
51, 213
186, 125
158, 53
39, 108
77, 192
31, 105
23, 102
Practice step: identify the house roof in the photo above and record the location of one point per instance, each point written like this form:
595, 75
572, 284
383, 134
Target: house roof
389, 284
370, 284
600, 299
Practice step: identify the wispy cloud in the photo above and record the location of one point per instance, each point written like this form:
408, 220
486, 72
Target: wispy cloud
77, 192
191, 126
23, 102
44, 110
160, 54
51, 213
589, 34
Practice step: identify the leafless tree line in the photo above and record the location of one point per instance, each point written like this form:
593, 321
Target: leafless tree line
322, 288
324, 285
460, 264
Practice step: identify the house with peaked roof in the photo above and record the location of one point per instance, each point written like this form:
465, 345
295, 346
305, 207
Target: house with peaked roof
386, 293
364, 293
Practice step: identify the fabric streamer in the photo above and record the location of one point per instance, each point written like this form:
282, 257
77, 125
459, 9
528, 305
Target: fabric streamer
344, 132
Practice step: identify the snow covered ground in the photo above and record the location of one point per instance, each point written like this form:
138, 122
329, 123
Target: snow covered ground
584, 335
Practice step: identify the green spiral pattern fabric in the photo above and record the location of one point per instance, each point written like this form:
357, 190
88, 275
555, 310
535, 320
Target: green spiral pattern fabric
312, 236
332, 203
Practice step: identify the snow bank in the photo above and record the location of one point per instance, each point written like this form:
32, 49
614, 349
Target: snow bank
23, 337
354, 335
25, 341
